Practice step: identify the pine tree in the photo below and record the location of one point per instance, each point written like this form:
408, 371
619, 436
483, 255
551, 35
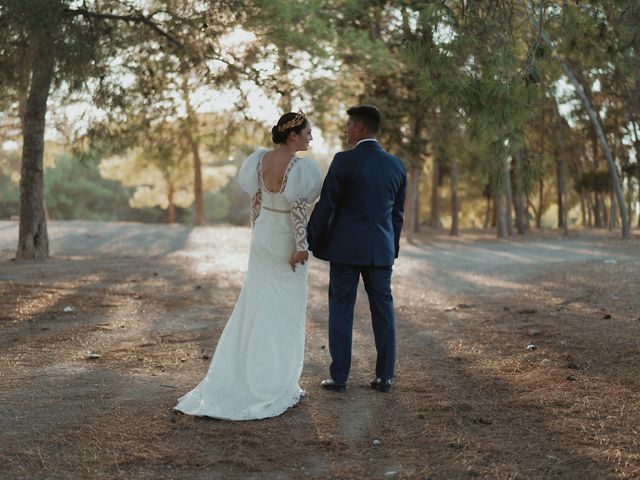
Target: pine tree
57, 44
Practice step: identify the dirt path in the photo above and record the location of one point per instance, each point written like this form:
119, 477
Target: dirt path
471, 401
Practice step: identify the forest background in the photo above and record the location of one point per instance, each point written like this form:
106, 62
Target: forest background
509, 114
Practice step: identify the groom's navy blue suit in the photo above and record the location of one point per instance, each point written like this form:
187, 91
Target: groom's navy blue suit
356, 226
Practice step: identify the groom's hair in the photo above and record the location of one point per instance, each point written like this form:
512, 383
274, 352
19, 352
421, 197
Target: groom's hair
368, 115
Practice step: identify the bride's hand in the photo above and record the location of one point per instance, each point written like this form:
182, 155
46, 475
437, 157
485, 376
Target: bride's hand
298, 257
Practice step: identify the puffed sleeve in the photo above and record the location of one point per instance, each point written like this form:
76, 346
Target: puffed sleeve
248, 174
304, 181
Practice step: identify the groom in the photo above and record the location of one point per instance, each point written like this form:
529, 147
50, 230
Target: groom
356, 226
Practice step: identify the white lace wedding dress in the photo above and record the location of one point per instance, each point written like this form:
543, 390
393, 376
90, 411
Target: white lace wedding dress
257, 364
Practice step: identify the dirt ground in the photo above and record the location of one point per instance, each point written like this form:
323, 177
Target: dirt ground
470, 399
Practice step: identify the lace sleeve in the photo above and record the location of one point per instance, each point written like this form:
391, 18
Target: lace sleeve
256, 203
299, 219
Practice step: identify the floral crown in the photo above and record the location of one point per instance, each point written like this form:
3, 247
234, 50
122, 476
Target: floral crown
299, 119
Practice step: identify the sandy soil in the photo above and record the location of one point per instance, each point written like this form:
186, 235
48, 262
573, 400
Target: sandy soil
470, 400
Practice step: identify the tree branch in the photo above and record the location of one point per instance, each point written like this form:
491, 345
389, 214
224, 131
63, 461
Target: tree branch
145, 20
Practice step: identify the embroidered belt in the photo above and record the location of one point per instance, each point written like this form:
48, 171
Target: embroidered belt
275, 209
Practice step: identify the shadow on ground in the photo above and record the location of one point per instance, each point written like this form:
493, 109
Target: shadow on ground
470, 400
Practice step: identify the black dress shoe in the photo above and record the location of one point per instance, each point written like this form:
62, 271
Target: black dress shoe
380, 384
330, 384
385, 386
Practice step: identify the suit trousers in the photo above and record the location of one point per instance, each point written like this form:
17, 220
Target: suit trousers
343, 287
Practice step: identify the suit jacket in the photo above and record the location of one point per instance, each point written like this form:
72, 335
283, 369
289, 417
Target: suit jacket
359, 216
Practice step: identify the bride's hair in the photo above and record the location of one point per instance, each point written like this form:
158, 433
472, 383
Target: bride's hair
289, 122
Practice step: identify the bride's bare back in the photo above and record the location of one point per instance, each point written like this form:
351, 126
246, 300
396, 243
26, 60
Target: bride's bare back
274, 167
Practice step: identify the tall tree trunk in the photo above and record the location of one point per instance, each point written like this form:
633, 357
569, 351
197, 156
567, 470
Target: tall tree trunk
418, 146
591, 211
417, 207
597, 217
539, 210
600, 212
171, 208
33, 240
583, 210
638, 197
636, 144
630, 206
410, 202
593, 116
194, 142
639, 204
532, 207
487, 212
629, 197
455, 198
560, 187
509, 197
573, 165
494, 211
613, 216
519, 193
434, 215
501, 221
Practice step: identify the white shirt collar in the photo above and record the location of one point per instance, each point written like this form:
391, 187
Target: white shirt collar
365, 140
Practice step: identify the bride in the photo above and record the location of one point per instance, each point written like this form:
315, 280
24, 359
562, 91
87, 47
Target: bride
255, 370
